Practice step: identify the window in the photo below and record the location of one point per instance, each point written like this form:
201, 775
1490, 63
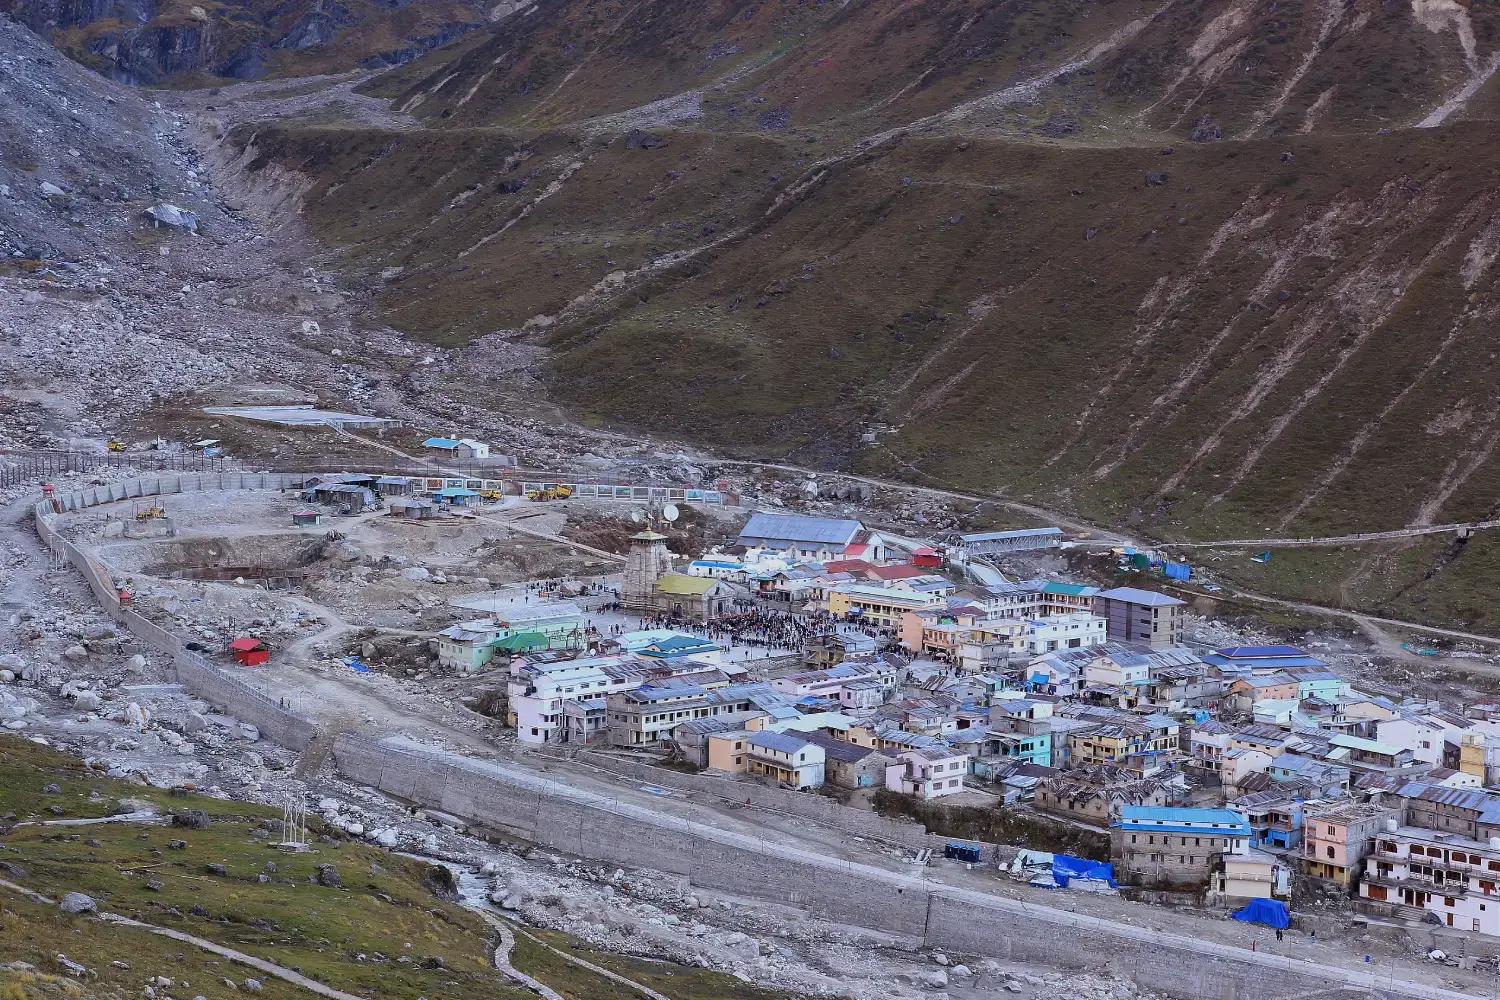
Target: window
1330, 850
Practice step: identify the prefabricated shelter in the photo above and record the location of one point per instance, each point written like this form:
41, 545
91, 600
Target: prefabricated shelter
305, 518
470, 448
414, 508
394, 486
457, 496
250, 651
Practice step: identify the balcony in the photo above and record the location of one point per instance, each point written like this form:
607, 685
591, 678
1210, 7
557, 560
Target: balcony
1418, 883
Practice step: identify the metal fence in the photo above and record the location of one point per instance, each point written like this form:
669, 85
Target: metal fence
19, 467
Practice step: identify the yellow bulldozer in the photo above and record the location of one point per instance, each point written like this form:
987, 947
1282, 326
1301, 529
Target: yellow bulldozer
550, 493
116, 445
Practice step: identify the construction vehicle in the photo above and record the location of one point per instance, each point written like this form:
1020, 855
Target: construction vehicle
550, 493
150, 513
116, 445
492, 494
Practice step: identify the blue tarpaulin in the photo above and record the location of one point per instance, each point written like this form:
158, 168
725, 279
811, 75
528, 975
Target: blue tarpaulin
1271, 912
1065, 868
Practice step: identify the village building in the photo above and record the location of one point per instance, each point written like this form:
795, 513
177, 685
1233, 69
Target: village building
1095, 795
1175, 846
799, 537
928, 772
1338, 836
786, 758
1415, 871
1141, 616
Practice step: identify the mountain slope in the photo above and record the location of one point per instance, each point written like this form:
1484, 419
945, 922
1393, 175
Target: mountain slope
1081, 68
1212, 270
182, 41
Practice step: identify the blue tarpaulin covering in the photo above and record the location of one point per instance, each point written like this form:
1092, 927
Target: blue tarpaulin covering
1271, 912
1065, 868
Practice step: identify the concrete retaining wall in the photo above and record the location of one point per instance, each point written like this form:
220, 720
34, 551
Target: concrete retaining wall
818, 808
589, 825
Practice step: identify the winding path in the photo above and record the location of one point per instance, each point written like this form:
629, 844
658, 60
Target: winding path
502, 956
297, 979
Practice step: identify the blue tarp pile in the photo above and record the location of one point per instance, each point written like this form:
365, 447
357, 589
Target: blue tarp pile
1059, 871
1065, 869
1271, 912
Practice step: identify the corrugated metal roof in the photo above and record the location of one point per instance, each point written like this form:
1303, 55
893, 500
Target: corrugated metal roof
780, 742
990, 536
799, 528
1137, 596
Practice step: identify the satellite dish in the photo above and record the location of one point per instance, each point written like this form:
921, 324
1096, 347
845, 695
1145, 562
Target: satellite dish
635, 515
670, 513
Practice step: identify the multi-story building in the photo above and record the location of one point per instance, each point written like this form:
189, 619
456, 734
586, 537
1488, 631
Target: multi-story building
1416, 871
877, 605
928, 772
1066, 631
1141, 616
645, 716
785, 757
541, 684
1338, 836
1154, 845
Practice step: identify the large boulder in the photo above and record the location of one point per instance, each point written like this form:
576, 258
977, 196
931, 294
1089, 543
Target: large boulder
77, 902
170, 215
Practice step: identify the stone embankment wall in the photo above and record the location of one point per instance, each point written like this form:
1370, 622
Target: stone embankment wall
517, 803
215, 686
818, 808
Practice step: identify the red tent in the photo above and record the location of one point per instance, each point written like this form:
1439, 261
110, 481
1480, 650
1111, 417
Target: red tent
250, 651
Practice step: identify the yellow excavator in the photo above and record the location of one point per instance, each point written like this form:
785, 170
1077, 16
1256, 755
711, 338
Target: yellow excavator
116, 445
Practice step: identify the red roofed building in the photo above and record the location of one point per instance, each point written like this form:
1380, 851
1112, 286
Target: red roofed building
898, 571
250, 651
927, 556
859, 566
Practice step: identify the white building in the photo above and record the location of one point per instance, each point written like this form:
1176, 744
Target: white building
1421, 871
928, 772
718, 567
1422, 732
788, 758
1070, 631
539, 688
470, 448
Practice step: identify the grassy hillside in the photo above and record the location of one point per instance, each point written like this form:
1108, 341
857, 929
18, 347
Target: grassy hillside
386, 932
1101, 69
1258, 344
1207, 271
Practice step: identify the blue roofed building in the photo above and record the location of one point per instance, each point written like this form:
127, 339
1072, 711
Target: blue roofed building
1174, 846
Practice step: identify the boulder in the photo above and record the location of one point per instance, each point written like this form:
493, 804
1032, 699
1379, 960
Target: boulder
328, 875
193, 722
170, 215
76, 652
935, 980
192, 819
88, 701
50, 190
77, 902
252, 984
136, 717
